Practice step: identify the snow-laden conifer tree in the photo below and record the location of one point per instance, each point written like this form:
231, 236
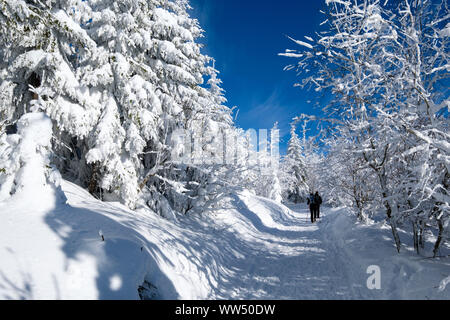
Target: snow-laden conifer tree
276, 189
267, 158
43, 53
242, 153
294, 175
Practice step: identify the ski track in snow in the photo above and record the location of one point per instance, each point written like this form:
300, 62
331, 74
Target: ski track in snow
253, 249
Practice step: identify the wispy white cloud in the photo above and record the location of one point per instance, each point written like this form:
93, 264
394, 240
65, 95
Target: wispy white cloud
265, 111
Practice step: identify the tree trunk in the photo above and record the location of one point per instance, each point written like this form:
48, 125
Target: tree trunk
421, 237
416, 236
439, 239
395, 235
383, 183
93, 182
392, 224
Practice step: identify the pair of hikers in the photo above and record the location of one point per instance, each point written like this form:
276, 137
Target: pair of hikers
314, 202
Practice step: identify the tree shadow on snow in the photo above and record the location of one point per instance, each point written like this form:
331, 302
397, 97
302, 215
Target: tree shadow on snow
119, 259
16, 291
261, 265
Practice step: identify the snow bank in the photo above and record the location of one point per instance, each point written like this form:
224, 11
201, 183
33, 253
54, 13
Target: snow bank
403, 276
35, 223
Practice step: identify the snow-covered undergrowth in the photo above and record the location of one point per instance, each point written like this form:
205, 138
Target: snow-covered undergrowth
403, 276
253, 249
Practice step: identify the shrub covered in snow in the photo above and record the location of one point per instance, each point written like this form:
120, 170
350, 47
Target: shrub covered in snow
26, 157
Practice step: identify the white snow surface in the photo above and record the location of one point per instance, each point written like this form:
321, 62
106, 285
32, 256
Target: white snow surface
252, 249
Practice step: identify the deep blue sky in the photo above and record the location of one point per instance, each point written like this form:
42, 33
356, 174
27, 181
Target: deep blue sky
245, 37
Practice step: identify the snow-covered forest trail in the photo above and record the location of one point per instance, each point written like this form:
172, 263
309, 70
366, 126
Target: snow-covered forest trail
270, 251
285, 256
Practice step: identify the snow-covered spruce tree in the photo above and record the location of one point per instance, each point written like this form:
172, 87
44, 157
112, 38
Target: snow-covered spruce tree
209, 176
294, 176
242, 153
72, 79
314, 162
41, 51
131, 137
276, 189
385, 65
267, 158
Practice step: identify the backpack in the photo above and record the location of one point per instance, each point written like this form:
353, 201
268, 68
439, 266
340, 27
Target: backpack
311, 200
317, 199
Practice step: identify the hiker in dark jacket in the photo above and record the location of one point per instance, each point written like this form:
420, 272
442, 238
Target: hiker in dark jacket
311, 204
317, 203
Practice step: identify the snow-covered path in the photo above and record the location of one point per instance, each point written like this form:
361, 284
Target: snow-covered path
286, 257
270, 251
